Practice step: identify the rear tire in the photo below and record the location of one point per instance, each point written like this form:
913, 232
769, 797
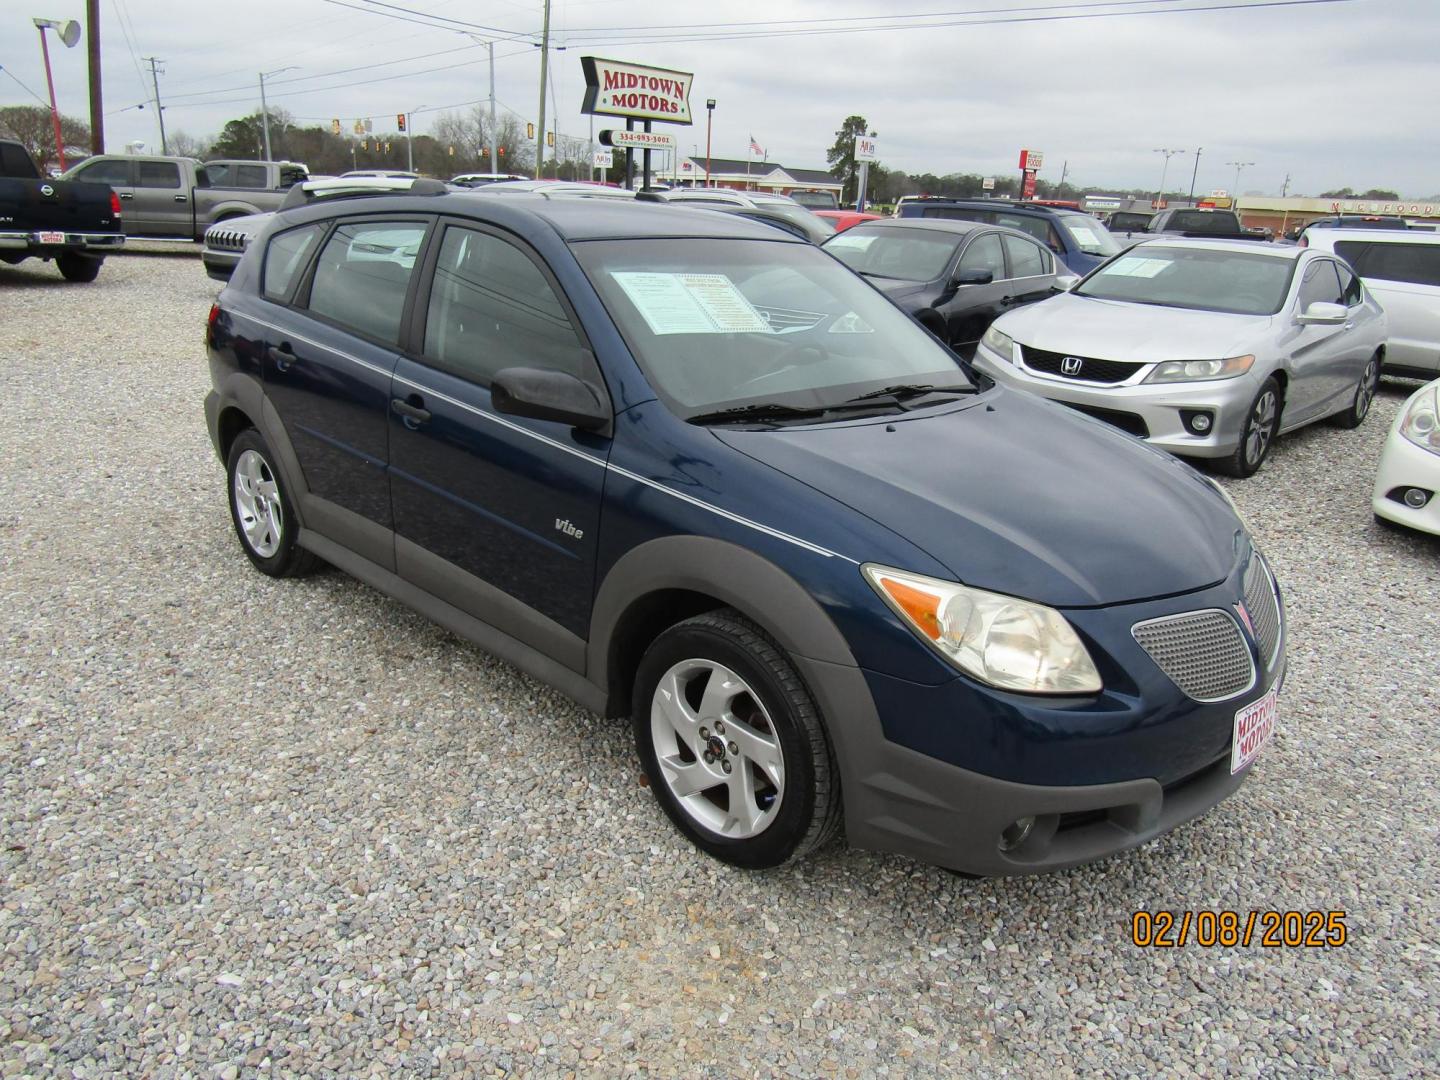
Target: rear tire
261, 510
1262, 421
760, 787
78, 267
1359, 407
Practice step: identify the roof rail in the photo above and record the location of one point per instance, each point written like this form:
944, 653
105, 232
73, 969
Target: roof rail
355, 187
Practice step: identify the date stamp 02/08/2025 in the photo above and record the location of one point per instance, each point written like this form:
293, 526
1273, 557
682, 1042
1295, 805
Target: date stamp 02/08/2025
1164, 929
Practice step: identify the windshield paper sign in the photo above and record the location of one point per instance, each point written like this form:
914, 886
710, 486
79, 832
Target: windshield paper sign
691, 303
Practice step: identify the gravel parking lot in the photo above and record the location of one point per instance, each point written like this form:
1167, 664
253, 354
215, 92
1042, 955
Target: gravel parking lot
256, 828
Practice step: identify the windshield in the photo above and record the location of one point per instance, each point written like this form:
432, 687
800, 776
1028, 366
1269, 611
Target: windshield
718, 323
906, 254
1202, 279
1089, 235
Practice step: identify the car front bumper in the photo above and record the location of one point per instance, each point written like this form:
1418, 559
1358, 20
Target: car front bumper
1404, 465
1153, 412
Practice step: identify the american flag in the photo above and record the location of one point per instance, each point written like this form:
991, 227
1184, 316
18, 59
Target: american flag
755, 147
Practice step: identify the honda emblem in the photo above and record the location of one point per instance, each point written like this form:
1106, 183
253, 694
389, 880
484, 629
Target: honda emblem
1071, 365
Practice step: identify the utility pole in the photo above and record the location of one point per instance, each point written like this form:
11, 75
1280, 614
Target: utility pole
264, 116
159, 109
1064, 171
1194, 173
494, 132
544, 73
1285, 187
92, 46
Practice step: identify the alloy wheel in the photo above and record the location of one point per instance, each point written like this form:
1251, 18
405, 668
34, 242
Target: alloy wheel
1365, 393
257, 504
717, 749
1262, 427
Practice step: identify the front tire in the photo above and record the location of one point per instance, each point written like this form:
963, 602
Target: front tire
1262, 421
1365, 390
261, 510
78, 267
732, 743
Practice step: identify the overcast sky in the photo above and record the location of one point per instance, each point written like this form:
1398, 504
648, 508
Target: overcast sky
1329, 93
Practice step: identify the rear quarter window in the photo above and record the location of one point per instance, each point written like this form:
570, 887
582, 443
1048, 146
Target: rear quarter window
284, 257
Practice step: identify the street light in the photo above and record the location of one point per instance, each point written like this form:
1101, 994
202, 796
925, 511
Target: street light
69, 31
709, 121
1160, 195
265, 109
1235, 191
410, 137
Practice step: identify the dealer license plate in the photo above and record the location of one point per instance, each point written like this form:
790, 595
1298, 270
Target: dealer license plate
52, 237
1254, 725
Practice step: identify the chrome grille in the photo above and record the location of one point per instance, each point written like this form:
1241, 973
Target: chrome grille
1203, 652
1264, 608
226, 238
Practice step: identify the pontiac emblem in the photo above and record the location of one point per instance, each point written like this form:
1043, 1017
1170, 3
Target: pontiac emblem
1245, 618
1071, 365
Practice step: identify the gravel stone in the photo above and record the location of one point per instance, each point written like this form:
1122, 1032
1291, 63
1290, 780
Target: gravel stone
252, 828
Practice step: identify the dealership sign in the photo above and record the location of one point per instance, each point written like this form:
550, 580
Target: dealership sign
638, 140
865, 148
613, 88
603, 159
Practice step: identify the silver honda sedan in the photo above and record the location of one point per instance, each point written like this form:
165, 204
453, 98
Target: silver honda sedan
1205, 348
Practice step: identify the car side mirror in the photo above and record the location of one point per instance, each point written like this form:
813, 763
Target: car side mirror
549, 395
1065, 282
1322, 314
974, 277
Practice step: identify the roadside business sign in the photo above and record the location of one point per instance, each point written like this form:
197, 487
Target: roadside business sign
603, 159
988, 184
865, 148
1031, 160
614, 88
1027, 188
638, 140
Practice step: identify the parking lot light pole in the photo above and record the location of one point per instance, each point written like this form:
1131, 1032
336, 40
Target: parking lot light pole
1160, 195
709, 121
69, 32
265, 109
1239, 165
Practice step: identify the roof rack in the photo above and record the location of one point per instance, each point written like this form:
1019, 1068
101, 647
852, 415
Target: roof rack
358, 186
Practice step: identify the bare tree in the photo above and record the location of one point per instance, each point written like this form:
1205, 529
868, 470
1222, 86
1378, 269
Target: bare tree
32, 126
184, 145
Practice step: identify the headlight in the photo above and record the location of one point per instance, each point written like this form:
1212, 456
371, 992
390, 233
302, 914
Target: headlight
1011, 644
1420, 422
1196, 370
996, 342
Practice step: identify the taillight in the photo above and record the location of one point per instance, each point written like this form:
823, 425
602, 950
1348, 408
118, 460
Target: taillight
1304, 241
214, 316
114, 204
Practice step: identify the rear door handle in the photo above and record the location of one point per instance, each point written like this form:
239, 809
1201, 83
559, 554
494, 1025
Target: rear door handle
412, 410
282, 356
181, 198
127, 194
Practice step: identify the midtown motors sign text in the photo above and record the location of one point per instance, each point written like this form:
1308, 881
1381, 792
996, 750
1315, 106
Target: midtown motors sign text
613, 88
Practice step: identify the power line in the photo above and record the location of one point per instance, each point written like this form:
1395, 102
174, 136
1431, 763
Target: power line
508, 35
27, 89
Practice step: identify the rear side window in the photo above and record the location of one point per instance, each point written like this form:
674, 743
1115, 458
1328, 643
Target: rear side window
1350, 286
114, 173
1320, 285
252, 176
220, 174
158, 174
290, 175
284, 256
491, 308
1026, 259
363, 274
1418, 264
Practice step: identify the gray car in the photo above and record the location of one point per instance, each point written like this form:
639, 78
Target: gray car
1205, 348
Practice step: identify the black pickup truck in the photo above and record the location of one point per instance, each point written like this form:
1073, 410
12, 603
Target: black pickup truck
77, 225
1195, 222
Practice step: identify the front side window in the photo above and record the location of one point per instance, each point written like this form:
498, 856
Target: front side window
729, 323
902, 254
492, 308
1320, 285
985, 253
1234, 282
1026, 259
158, 174
1350, 286
363, 274
114, 173
284, 256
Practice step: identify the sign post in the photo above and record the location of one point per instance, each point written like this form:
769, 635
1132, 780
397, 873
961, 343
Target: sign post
635, 92
865, 153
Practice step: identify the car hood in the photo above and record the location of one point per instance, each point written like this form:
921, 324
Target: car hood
1131, 333
1019, 496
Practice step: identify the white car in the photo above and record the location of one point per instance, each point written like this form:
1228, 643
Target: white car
1204, 348
1409, 475
1401, 268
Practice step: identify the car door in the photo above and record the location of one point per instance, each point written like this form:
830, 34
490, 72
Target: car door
332, 342
972, 308
119, 174
1322, 356
1031, 272
162, 204
497, 514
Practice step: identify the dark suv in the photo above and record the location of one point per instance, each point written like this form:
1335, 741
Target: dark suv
1078, 240
689, 469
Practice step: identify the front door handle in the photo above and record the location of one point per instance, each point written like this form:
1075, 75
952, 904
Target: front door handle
181, 198
282, 356
127, 194
1349, 326
411, 410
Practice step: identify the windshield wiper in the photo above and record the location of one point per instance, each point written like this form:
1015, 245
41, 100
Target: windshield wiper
872, 273
760, 411
900, 391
